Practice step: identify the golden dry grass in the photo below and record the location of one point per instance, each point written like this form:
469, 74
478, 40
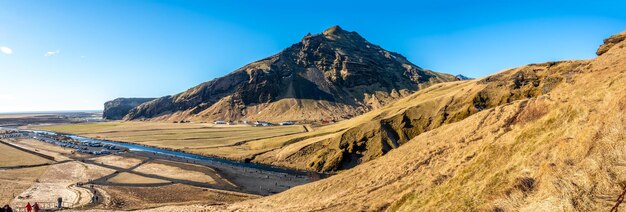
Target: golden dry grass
12, 157
128, 178
200, 138
201, 174
118, 161
59, 153
176, 196
558, 151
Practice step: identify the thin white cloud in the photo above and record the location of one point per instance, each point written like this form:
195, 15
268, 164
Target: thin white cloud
50, 54
6, 50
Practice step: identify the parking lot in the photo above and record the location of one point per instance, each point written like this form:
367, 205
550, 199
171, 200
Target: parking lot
93, 148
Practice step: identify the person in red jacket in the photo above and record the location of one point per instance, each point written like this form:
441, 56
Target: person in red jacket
36, 207
29, 208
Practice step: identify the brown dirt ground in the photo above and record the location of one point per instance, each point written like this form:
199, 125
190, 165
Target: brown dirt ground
118, 161
130, 198
179, 171
128, 178
59, 180
14, 181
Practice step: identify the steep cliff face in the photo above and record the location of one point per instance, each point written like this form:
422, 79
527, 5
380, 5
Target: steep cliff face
333, 75
118, 108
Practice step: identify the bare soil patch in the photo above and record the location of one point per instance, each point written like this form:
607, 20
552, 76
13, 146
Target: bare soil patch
170, 169
119, 161
59, 181
14, 181
128, 178
131, 198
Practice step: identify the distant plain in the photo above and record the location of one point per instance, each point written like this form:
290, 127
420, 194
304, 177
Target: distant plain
200, 138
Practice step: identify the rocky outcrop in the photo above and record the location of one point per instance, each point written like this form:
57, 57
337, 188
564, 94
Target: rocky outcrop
610, 42
334, 75
462, 77
409, 117
549, 137
118, 108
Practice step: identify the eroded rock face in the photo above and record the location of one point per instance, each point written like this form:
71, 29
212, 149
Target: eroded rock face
118, 108
463, 77
333, 75
610, 42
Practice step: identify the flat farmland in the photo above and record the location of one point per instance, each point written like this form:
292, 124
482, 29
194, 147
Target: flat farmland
202, 138
12, 157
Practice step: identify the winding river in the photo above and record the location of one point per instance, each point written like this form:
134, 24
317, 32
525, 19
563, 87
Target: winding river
173, 153
251, 177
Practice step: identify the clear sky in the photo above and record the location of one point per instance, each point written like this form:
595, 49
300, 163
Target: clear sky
75, 55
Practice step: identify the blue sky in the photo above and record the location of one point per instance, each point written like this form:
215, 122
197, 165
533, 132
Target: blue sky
74, 55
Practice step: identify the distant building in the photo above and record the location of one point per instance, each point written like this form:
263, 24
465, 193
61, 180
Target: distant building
284, 123
219, 122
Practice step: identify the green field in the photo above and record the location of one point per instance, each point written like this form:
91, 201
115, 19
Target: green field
201, 138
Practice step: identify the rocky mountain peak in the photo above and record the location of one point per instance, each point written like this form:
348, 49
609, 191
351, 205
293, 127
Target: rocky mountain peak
335, 74
334, 30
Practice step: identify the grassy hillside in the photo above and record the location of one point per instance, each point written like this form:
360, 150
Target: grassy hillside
351, 142
372, 135
544, 137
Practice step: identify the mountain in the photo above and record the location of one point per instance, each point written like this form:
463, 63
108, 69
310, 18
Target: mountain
541, 137
462, 77
334, 75
364, 138
116, 109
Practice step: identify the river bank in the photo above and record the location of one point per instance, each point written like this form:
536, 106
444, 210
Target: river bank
250, 178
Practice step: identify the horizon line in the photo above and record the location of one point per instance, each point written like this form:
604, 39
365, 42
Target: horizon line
49, 111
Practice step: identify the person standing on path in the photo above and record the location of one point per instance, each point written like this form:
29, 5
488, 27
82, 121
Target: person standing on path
29, 208
36, 207
59, 202
7, 208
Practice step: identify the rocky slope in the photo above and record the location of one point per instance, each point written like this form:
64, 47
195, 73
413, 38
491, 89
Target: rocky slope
372, 135
462, 77
546, 137
333, 75
118, 108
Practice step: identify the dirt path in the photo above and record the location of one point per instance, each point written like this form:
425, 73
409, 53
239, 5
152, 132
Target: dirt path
222, 185
76, 177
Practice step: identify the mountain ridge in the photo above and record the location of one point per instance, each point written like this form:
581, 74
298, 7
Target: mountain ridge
556, 143
118, 108
334, 75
